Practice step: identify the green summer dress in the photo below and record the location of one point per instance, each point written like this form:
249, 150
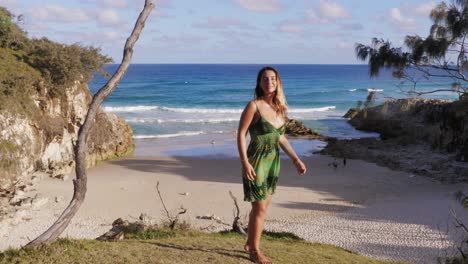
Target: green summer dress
263, 155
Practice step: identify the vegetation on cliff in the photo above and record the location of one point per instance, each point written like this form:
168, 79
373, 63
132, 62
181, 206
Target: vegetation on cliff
27, 64
43, 99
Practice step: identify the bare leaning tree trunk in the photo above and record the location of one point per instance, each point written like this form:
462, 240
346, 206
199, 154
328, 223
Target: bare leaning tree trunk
80, 150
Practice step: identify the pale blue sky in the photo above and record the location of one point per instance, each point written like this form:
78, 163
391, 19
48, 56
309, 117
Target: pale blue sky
228, 31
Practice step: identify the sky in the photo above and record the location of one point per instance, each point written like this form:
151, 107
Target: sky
227, 31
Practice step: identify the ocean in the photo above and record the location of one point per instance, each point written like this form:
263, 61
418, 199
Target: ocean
175, 101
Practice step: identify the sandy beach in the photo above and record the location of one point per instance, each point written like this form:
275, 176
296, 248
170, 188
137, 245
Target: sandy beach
362, 207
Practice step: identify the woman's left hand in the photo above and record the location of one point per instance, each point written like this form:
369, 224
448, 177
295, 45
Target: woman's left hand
300, 166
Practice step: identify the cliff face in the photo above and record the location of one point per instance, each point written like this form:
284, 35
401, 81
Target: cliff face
44, 141
442, 124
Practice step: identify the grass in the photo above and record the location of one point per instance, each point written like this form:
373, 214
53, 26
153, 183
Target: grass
183, 246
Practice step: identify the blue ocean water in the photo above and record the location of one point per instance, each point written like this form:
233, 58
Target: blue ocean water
170, 100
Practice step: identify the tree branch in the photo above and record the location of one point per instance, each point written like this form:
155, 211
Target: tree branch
429, 92
162, 201
80, 150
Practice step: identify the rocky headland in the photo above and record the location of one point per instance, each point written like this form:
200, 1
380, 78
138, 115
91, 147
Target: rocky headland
422, 136
43, 144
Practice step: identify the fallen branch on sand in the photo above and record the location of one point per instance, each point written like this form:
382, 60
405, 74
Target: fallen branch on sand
236, 224
172, 219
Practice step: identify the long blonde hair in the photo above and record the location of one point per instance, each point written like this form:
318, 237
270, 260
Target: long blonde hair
279, 100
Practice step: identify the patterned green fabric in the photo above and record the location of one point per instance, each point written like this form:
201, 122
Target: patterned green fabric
263, 154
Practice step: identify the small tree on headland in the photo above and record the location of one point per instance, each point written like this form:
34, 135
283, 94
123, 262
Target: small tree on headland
442, 54
80, 149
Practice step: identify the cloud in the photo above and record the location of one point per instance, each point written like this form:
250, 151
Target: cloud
424, 9
162, 3
111, 35
222, 22
108, 17
7, 3
113, 3
290, 27
58, 13
264, 6
333, 11
313, 17
326, 12
352, 26
178, 40
343, 45
401, 22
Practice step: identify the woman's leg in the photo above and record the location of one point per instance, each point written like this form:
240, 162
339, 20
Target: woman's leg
255, 228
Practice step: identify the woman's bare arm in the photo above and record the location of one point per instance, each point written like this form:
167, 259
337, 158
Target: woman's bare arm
244, 123
300, 166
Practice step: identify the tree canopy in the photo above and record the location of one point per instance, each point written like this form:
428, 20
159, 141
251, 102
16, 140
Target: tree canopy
442, 54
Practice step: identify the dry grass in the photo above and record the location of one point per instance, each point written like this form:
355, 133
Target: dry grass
171, 247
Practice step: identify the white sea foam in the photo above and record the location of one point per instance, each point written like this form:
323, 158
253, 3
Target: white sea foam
203, 110
137, 108
374, 90
143, 108
187, 121
352, 90
308, 110
180, 134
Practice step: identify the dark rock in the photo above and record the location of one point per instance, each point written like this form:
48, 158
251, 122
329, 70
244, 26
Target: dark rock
295, 128
352, 112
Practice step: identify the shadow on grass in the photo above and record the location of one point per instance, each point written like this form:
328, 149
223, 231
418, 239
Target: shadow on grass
220, 251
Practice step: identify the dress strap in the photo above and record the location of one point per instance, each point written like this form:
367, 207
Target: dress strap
257, 109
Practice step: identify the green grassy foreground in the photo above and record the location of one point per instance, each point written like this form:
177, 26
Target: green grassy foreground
166, 246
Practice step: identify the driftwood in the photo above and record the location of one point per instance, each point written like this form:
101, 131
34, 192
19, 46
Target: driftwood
121, 227
236, 224
80, 149
172, 219
117, 231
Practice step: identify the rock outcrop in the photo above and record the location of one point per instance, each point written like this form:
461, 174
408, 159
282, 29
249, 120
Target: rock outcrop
421, 136
295, 128
440, 123
43, 141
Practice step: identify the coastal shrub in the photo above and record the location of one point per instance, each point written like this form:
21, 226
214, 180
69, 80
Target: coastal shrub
17, 81
11, 36
27, 65
61, 65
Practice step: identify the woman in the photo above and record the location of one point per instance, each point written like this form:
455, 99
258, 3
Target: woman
264, 119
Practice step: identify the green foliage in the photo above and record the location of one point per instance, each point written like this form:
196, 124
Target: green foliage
442, 53
61, 65
11, 36
17, 81
30, 64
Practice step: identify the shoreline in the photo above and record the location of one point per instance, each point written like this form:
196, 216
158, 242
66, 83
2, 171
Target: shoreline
222, 146
362, 207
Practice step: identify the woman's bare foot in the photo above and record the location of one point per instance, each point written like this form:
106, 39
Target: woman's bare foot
247, 248
257, 257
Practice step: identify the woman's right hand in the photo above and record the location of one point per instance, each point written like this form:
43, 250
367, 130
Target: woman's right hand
249, 171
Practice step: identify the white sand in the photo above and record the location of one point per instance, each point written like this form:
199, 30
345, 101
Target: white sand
362, 207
